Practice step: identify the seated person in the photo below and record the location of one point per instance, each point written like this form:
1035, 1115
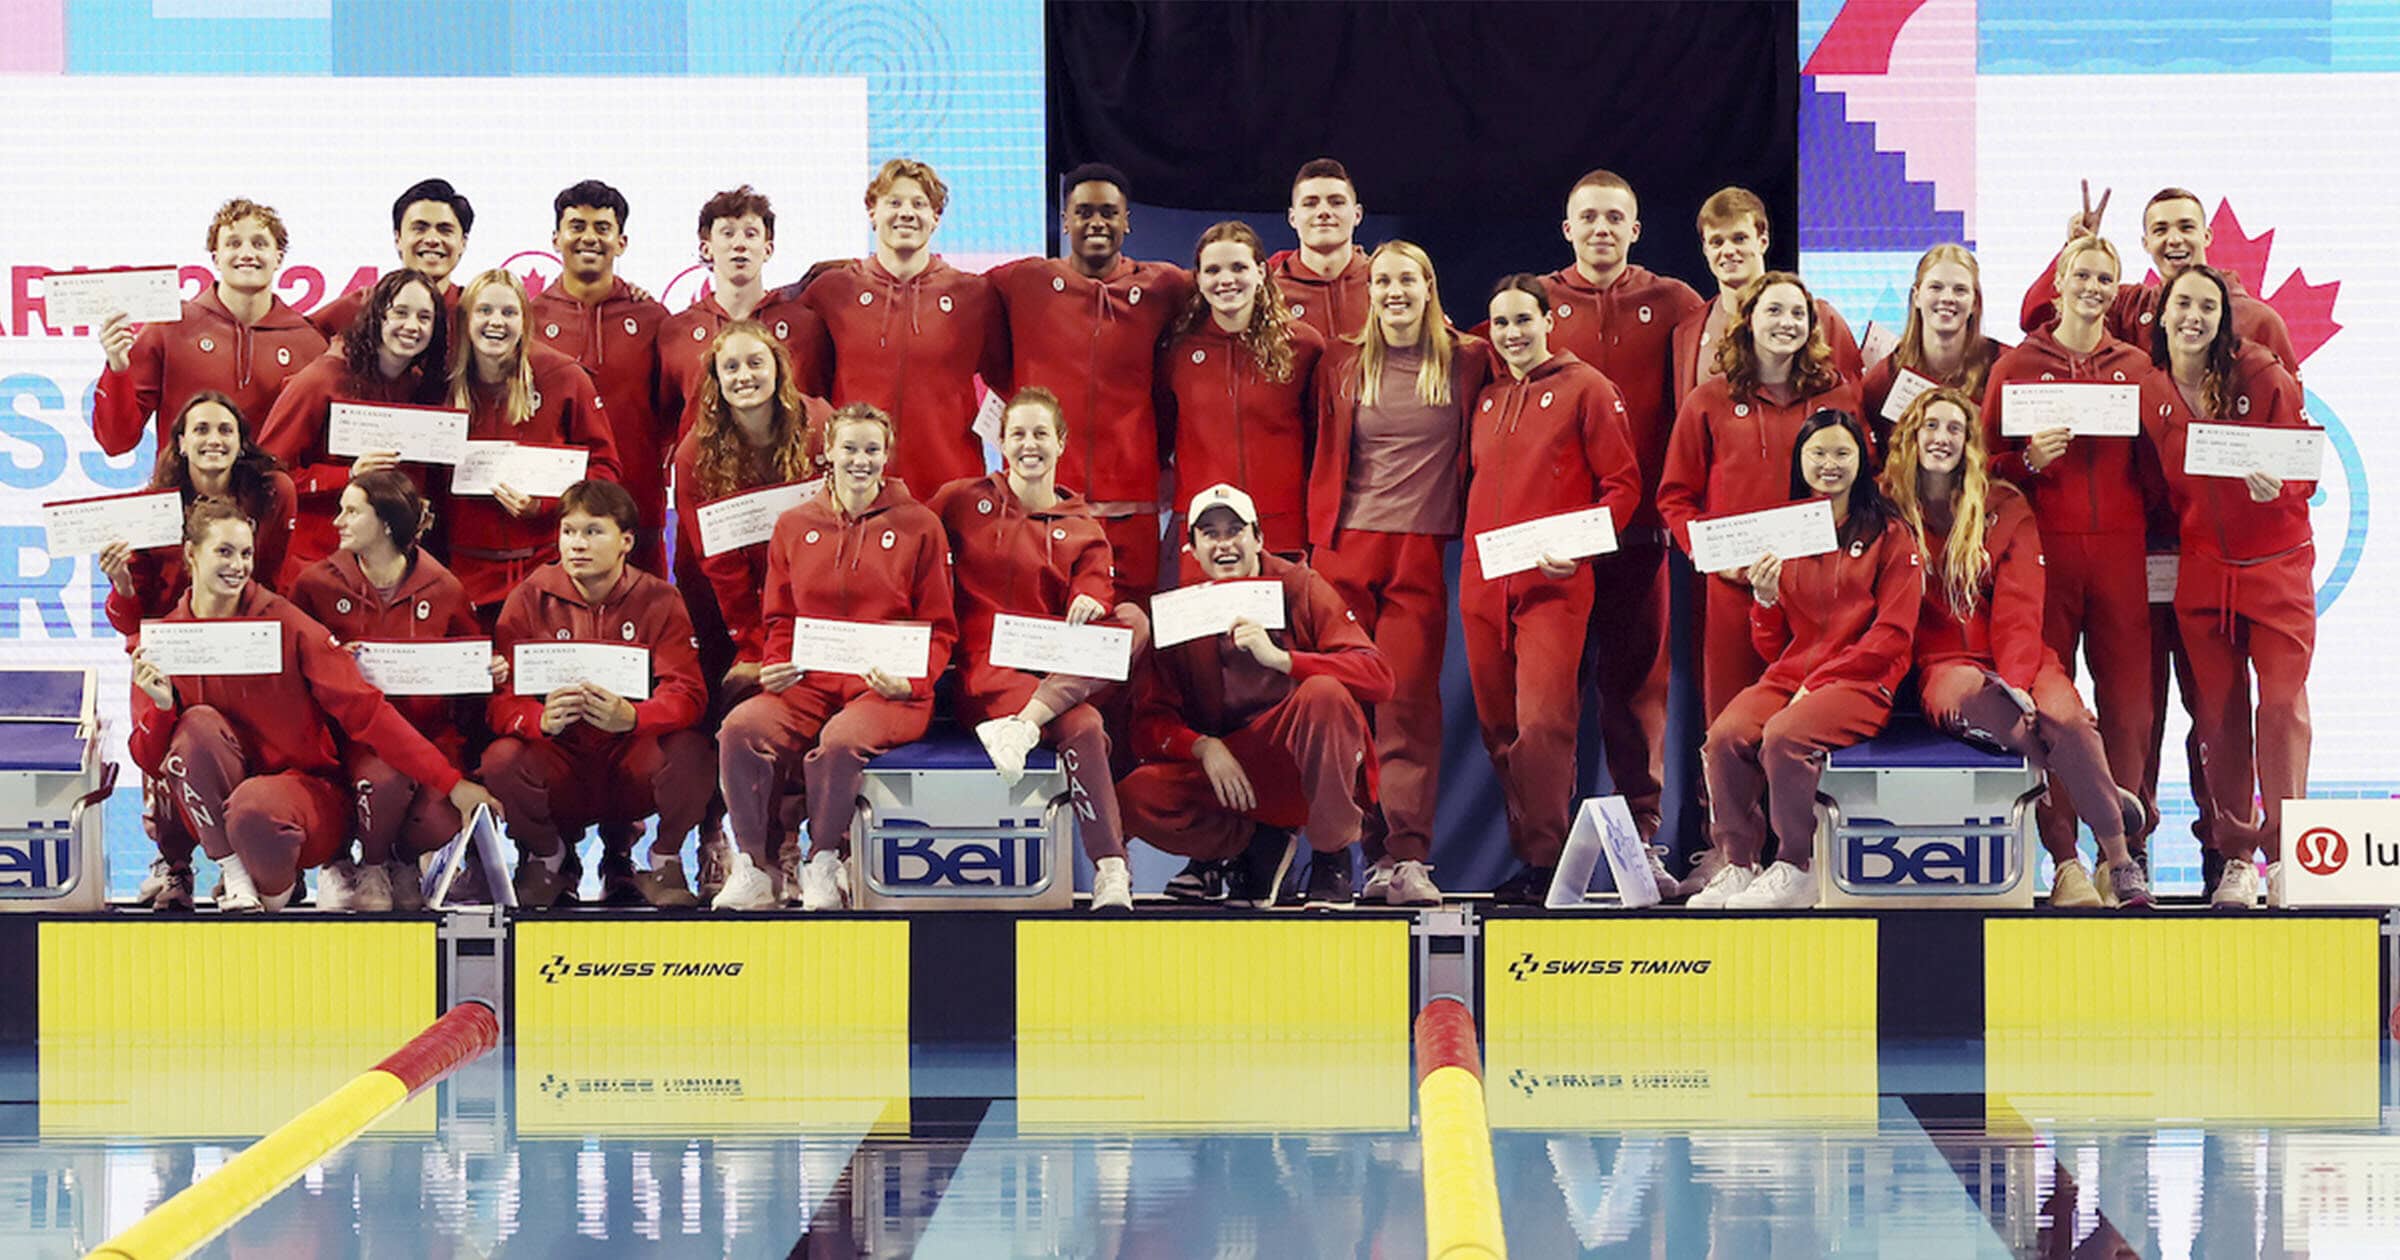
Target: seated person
253, 761
583, 754
1253, 732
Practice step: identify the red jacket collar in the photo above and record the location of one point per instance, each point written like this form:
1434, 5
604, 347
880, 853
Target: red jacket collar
423, 574
1286, 264
873, 269
822, 510
1069, 503
278, 318
551, 579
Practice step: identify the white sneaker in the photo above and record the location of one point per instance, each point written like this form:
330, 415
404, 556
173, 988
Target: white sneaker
370, 889
407, 883
2275, 885
1783, 887
1112, 885
154, 883
337, 888
1008, 741
240, 895
2237, 888
825, 882
1728, 880
746, 886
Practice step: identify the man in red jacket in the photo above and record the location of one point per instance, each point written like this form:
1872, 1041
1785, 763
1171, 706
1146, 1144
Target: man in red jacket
737, 237
910, 331
1733, 236
597, 319
237, 338
584, 754
430, 223
1324, 282
1086, 327
1250, 734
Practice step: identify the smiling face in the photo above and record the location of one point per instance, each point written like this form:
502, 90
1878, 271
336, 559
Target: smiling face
408, 323
2086, 285
1095, 220
220, 562
1225, 545
211, 439
2194, 311
1399, 288
592, 549
859, 449
1945, 298
430, 238
745, 368
1520, 329
1736, 250
360, 529
1779, 323
2176, 235
246, 255
1829, 461
495, 323
1229, 273
1602, 224
904, 217
736, 250
589, 240
1325, 212
1030, 443
1942, 438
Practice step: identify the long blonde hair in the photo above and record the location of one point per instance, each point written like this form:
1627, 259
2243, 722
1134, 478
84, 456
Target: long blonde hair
518, 405
726, 463
1269, 335
1963, 566
1435, 339
1980, 349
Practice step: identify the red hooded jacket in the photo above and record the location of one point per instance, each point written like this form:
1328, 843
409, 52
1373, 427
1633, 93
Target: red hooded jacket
1337, 420
1552, 442
683, 352
2098, 486
1094, 343
1627, 330
1335, 306
1845, 616
616, 341
294, 432
2216, 514
208, 349
1227, 422
1729, 456
913, 348
891, 562
2135, 309
1008, 558
159, 579
567, 412
428, 603
738, 577
2004, 632
642, 610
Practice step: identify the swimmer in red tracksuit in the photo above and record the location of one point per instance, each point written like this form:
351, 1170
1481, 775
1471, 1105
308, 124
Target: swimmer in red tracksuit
253, 761
209, 455
1548, 437
864, 549
1249, 734
1086, 327
237, 338
2089, 495
1237, 384
395, 352
1324, 282
515, 391
1020, 545
1942, 342
909, 331
593, 316
1731, 452
1386, 491
2245, 594
430, 224
584, 754
1839, 626
1982, 667
737, 237
380, 588
1733, 236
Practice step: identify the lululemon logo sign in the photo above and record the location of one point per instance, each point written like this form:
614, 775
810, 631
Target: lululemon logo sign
2321, 851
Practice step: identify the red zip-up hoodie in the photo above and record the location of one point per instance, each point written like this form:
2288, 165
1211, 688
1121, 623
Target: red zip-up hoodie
1227, 422
738, 577
1094, 343
1008, 558
1728, 456
2004, 633
1849, 615
2134, 310
642, 610
566, 412
2097, 487
1207, 686
159, 578
428, 603
209, 349
1550, 443
1337, 420
683, 352
1627, 330
287, 720
1336, 306
616, 341
913, 348
2216, 514
295, 433
891, 562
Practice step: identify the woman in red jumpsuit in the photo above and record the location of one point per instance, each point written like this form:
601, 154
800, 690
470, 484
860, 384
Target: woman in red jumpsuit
1021, 545
2245, 597
1839, 627
1983, 670
1943, 341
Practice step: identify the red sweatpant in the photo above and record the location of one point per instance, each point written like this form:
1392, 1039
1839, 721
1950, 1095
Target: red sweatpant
1625, 657
550, 789
988, 691
1524, 640
2098, 595
1302, 756
2059, 736
1395, 585
2169, 660
1768, 748
1134, 540
279, 824
829, 726
397, 816
1729, 661
2238, 620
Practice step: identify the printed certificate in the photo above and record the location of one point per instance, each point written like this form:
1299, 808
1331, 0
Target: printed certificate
428, 667
2090, 410
2237, 450
222, 647
903, 649
421, 435
85, 299
1565, 536
141, 520
1787, 532
543, 472
742, 520
537, 669
1191, 612
1045, 646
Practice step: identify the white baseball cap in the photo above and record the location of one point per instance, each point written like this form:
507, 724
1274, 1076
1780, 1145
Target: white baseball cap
1221, 495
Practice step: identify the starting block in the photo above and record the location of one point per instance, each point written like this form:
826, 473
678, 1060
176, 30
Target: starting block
1915, 818
52, 856
937, 830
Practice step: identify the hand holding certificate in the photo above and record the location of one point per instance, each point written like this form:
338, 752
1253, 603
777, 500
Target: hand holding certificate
541, 668
221, 647
2237, 450
543, 472
428, 667
1192, 612
744, 520
2087, 410
1787, 532
423, 435
85, 299
1565, 536
141, 520
1044, 646
902, 649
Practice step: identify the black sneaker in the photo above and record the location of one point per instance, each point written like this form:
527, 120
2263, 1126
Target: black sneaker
1258, 875
1528, 887
1329, 879
1200, 883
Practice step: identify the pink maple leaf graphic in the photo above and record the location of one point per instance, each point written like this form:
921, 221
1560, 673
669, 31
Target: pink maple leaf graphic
2307, 309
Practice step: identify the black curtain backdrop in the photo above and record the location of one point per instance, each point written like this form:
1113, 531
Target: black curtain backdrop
1463, 125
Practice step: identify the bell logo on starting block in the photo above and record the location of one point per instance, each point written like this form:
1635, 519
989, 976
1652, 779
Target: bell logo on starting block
1976, 859
906, 863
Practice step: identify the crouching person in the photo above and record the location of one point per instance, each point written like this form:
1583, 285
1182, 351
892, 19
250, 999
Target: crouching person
582, 754
1249, 734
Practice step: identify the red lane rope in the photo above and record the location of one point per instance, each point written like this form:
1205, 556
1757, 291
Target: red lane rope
460, 1035
1446, 1038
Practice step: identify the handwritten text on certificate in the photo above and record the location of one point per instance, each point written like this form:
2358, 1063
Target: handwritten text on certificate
1045, 646
743, 520
2237, 450
81, 527
538, 669
1564, 536
543, 472
85, 299
903, 649
428, 667
1787, 533
1905, 388
1193, 612
2088, 409
421, 435
227, 646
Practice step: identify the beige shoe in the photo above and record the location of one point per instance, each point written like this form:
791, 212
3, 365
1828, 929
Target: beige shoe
2071, 888
663, 884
